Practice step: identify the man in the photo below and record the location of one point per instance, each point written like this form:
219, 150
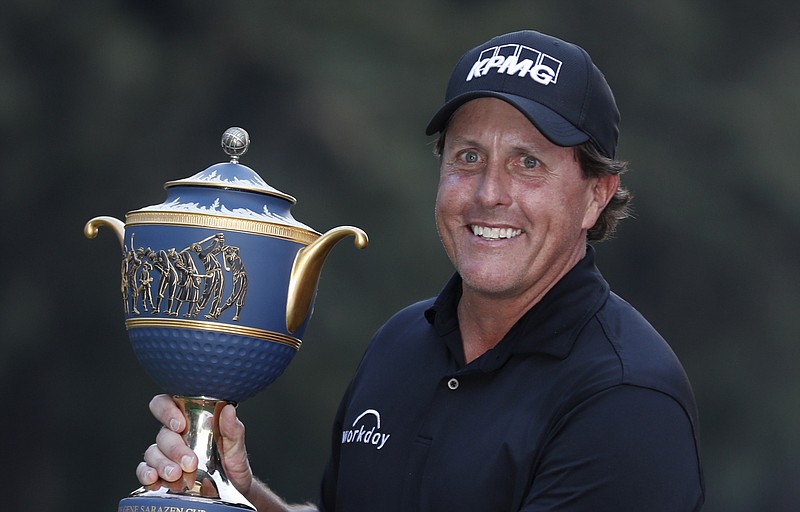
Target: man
526, 384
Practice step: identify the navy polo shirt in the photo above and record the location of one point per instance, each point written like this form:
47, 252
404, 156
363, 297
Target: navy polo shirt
582, 406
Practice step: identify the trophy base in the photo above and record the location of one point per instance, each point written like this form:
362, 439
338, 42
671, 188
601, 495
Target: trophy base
177, 504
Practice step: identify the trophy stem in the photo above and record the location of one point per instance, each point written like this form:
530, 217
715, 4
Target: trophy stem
201, 436
208, 484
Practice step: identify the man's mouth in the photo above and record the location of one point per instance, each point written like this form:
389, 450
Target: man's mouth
488, 233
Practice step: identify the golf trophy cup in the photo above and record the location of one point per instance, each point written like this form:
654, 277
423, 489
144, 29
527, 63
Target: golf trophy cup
217, 284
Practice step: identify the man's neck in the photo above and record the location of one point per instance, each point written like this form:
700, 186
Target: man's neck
485, 319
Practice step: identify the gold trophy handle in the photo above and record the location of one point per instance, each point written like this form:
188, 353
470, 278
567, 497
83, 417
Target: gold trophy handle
307, 268
117, 226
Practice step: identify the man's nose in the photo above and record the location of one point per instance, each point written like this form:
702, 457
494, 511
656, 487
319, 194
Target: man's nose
493, 188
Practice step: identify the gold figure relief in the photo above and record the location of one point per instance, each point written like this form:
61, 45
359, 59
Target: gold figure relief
187, 282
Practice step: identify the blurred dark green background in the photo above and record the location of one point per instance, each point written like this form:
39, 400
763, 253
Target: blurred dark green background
102, 102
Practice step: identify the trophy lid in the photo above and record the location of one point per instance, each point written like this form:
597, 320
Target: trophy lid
232, 175
228, 189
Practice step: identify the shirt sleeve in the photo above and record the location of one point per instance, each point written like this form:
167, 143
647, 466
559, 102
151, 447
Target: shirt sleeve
625, 449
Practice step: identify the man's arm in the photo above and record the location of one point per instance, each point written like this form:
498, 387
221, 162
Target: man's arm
625, 449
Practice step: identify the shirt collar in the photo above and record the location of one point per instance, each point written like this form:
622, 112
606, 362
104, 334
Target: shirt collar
552, 325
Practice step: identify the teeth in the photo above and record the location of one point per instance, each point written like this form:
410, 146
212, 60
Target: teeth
494, 233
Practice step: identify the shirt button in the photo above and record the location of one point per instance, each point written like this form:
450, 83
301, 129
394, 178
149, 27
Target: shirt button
452, 384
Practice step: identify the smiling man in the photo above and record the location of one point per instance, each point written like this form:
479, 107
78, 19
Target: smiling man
513, 212
526, 385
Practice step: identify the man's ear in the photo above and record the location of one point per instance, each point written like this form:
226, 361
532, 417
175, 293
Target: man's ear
601, 193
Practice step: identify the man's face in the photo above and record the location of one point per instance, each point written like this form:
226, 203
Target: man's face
512, 208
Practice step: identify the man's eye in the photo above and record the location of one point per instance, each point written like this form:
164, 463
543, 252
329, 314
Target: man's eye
529, 162
471, 157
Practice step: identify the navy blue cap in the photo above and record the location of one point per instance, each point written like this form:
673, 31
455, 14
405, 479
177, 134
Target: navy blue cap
553, 82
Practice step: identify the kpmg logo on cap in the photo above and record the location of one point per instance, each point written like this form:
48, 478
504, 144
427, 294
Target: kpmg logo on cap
515, 59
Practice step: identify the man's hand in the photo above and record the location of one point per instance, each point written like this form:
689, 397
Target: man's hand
169, 459
166, 461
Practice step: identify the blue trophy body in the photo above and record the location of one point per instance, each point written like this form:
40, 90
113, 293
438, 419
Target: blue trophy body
218, 284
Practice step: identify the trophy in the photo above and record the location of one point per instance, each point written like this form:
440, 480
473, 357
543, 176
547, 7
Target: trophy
217, 284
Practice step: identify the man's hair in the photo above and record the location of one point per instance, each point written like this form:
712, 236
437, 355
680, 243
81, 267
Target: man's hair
594, 165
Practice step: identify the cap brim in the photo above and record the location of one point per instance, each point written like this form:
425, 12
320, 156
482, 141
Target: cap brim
557, 129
